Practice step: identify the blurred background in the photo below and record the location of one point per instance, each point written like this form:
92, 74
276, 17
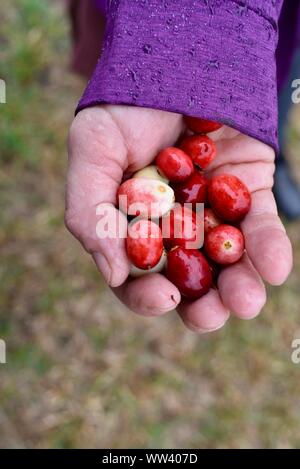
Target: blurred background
81, 370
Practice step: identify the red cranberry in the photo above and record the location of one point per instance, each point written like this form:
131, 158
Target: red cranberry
136, 272
200, 148
189, 271
182, 227
201, 126
174, 164
193, 190
144, 244
224, 244
229, 197
215, 270
210, 220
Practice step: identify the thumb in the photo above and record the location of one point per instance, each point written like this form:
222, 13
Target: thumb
97, 159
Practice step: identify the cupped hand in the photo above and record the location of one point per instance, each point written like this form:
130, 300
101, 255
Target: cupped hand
107, 142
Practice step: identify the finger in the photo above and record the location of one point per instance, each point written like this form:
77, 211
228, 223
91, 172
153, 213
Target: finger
256, 175
240, 149
150, 295
242, 290
204, 315
97, 158
267, 243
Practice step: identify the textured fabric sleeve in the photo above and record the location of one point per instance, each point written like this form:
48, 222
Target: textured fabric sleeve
213, 59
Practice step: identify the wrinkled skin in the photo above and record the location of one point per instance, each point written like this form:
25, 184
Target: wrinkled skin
107, 141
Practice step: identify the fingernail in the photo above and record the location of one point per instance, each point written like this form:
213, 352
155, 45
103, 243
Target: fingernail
102, 265
199, 330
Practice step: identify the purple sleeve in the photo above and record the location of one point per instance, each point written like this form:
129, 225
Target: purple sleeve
213, 59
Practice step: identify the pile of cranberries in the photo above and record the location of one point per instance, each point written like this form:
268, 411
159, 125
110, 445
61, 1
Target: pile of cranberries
191, 246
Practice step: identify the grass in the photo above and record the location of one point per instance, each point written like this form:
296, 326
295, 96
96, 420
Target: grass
82, 371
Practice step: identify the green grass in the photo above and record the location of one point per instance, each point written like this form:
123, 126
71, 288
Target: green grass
81, 370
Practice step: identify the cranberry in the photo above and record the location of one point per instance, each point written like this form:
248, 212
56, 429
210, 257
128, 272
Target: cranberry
229, 197
150, 172
174, 164
136, 272
224, 244
145, 197
144, 243
182, 227
193, 190
189, 271
201, 126
215, 270
200, 148
210, 220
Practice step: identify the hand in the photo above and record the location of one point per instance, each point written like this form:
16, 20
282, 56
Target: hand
105, 142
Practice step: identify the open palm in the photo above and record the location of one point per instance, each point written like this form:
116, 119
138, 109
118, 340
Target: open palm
106, 142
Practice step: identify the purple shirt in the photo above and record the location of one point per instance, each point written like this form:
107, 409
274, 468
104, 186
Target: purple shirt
213, 59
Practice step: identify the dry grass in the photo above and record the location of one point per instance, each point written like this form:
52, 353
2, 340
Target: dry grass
82, 371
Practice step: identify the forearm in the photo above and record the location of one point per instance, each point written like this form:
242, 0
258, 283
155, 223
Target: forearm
214, 60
